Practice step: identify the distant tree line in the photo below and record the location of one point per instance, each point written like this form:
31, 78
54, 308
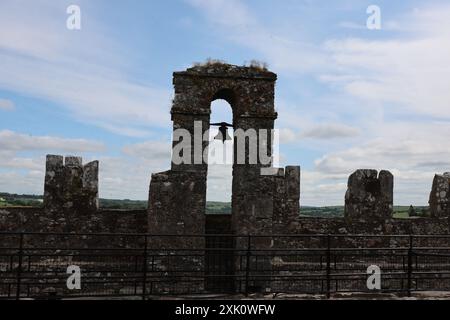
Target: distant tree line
212, 207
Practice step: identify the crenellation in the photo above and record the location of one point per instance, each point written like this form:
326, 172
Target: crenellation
53, 180
440, 196
70, 186
73, 161
369, 196
293, 182
90, 185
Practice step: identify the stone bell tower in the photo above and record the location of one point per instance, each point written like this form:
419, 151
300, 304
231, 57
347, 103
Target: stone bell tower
261, 199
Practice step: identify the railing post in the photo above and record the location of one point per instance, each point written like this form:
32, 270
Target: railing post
247, 267
144, 276
410, 253
19, 267
328, 266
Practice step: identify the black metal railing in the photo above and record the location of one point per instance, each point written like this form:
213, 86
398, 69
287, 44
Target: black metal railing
35, 265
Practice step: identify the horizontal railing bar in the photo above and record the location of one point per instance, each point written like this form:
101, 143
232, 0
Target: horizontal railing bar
224, 235
228, 249
169, 252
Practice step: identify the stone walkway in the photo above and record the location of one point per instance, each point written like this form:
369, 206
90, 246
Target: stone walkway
426, 295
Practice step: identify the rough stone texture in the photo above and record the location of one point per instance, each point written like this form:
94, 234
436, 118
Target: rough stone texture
21, 219
174, 207
71, 204
285, 184
71, 186
440, 196
177, 198
287, 201
369, 196
177, 202
17, 219
250, 92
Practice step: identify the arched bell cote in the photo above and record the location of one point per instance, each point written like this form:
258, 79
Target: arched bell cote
178, 197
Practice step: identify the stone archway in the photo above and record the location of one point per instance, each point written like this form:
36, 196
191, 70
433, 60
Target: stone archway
261, 203
178, 196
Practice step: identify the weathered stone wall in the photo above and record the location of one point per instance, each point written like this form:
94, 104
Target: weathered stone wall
218, 224
69, 185
71, 204
369, 211
177, 202
70, 193
281, 211
287, 201
440, 196
369, 197
260, 203
393, 226
177, 198
250, 92
18, 219
21, 219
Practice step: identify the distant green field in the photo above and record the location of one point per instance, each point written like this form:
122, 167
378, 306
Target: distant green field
338, 211
212, 207
403, 211
122, 204
19, 200
332, 211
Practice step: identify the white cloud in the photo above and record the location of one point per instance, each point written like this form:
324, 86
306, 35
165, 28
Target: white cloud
31, 182
7, 105
238, 23
219, 183
413, 156
403, 77
380, 153
409, 72
22, 158
352, 25
10, 140
83, 72
287, 135
16, 162
121, 178
149, 150
93, 96
330, 131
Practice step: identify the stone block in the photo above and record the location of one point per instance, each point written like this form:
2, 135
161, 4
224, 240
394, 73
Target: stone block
369, 196
69, 187
440, 196
73, 161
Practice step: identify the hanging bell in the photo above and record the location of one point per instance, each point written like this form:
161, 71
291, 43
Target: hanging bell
223, 134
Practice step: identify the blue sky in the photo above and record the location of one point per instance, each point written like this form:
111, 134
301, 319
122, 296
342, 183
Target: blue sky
347, 97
